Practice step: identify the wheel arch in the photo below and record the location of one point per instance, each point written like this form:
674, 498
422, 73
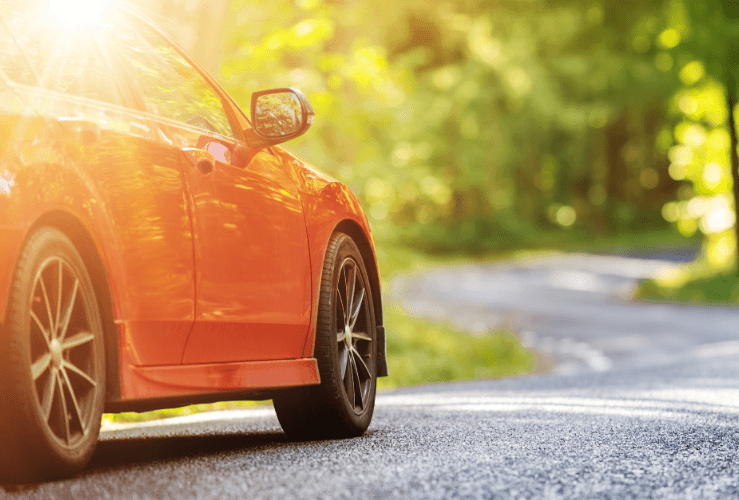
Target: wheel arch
355, 231
83, 241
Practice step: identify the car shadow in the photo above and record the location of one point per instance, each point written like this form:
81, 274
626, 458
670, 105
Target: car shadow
126, 452
113, 453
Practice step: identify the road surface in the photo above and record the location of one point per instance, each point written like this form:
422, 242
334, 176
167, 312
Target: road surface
643, 403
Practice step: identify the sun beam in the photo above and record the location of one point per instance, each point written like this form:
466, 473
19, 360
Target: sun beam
74, 15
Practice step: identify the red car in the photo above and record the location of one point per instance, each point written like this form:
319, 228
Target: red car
158, 249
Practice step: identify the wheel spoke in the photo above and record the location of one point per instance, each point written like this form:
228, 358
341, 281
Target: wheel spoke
59, 297
75, 405
65, 411
361, 336
68, 313
52, 323
70, 367
340, 336
362, 367
357, 384
349, 380
48, 399
343, 309
40, 365
77, 340
41, 327
357, 308
343, 360
350, 276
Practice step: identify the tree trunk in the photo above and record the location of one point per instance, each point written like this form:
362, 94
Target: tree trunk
731, 101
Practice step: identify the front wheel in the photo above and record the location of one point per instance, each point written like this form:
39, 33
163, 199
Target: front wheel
52, 360
346, 351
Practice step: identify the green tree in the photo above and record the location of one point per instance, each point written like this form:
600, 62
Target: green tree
468, 123
701, 37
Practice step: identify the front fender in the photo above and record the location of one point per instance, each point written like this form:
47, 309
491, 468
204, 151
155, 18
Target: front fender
330, 206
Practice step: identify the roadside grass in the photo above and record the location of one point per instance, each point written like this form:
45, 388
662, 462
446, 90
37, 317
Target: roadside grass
420, 352
694, 283
131, 417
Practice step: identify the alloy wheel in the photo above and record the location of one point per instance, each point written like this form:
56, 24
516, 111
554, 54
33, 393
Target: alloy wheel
352, 335
62, 352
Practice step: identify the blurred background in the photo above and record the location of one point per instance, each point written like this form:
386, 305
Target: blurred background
475, 128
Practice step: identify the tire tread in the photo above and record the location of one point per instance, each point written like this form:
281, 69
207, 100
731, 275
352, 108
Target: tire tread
320, 411
26, 453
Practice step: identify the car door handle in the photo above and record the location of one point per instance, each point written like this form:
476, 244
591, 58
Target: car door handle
204, 161
85, 131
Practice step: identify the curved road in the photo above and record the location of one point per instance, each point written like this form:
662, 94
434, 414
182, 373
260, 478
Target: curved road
644, 403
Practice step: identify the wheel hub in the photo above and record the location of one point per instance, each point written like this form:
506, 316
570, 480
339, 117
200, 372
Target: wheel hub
55, 348
348, 337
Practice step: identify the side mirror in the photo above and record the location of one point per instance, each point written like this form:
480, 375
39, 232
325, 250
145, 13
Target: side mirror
278, 115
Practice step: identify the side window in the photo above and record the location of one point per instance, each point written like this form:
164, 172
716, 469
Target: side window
65, 60
170, 87
12, 62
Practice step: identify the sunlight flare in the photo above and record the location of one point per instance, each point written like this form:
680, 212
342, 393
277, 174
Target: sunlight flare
74, 15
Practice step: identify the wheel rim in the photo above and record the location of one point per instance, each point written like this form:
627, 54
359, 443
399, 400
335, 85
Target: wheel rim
62, 352
353, 335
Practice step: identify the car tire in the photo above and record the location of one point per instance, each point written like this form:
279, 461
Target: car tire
53, 361
346, 351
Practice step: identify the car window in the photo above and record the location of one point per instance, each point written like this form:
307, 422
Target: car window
64, 59
170, 87
12, 61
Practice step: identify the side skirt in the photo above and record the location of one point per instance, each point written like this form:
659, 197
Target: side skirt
153, 387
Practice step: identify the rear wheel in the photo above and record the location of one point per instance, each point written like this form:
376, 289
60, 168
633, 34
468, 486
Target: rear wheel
346, 350
53, 359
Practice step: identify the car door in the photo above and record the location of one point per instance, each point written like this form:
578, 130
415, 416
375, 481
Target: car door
100, 161
253, 291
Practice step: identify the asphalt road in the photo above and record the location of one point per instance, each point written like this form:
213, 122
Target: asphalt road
644, 403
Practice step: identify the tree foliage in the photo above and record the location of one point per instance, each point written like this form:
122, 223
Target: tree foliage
474, 124
701, 37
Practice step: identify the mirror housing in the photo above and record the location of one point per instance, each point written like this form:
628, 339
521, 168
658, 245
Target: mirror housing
278, 115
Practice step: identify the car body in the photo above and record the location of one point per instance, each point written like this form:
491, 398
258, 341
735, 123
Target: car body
205, 242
